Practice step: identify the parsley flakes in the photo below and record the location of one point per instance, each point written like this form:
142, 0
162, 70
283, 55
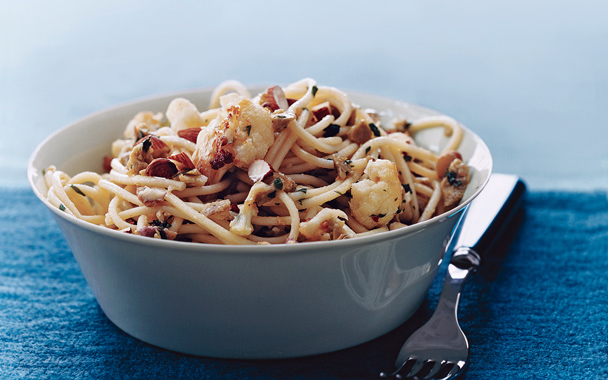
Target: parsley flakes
77, 190
374, 129
331, 130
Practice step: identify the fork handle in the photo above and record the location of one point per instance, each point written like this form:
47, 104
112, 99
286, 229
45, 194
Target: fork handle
464, 262
484, 221
489, 214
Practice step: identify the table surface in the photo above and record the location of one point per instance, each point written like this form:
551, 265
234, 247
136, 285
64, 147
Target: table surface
530, 77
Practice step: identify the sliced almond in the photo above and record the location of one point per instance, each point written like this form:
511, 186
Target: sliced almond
279, 97
153, 145
280, 120
190, 134
360, 133
259, 170
444, 161
182, 161
342, 166
281, 182
274, 98
161, 167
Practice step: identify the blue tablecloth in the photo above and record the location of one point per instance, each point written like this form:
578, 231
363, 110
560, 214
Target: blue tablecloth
544, 314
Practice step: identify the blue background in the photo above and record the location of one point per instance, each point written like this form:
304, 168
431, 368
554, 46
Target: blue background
530, 77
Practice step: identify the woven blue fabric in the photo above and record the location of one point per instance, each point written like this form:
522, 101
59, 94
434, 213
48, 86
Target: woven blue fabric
543, 313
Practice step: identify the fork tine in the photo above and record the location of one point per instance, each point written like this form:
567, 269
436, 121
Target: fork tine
445, 370
437, 366
409, 364
454, 370
417, 368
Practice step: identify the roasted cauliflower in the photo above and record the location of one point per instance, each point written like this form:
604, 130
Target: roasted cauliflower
182, 114
328, 224
376, 197
241, 133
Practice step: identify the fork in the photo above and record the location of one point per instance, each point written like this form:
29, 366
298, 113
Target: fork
439, 349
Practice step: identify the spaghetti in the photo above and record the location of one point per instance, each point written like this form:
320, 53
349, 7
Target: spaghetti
293, 164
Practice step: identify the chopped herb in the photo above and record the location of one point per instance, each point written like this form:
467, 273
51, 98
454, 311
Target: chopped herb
162, 233
278, 183
336, 191
302, 190
272, 195
453, 179
381, 215
158, 223
76, 189
147, 144
331, 130
407, 157
374, 129
61, 207
248, 129
368, 149
140, 134
314, 90
300, 200
407, 188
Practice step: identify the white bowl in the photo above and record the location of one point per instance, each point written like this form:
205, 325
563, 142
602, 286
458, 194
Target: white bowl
255, 301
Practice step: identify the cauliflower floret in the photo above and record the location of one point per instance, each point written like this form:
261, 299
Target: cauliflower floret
182, 114
376, 197
328, 224
143, 122
241, 225
241, 134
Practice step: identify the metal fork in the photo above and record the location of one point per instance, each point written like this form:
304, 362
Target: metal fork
439, 349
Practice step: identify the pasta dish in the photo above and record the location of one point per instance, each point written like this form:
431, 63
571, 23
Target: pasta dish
292, 164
